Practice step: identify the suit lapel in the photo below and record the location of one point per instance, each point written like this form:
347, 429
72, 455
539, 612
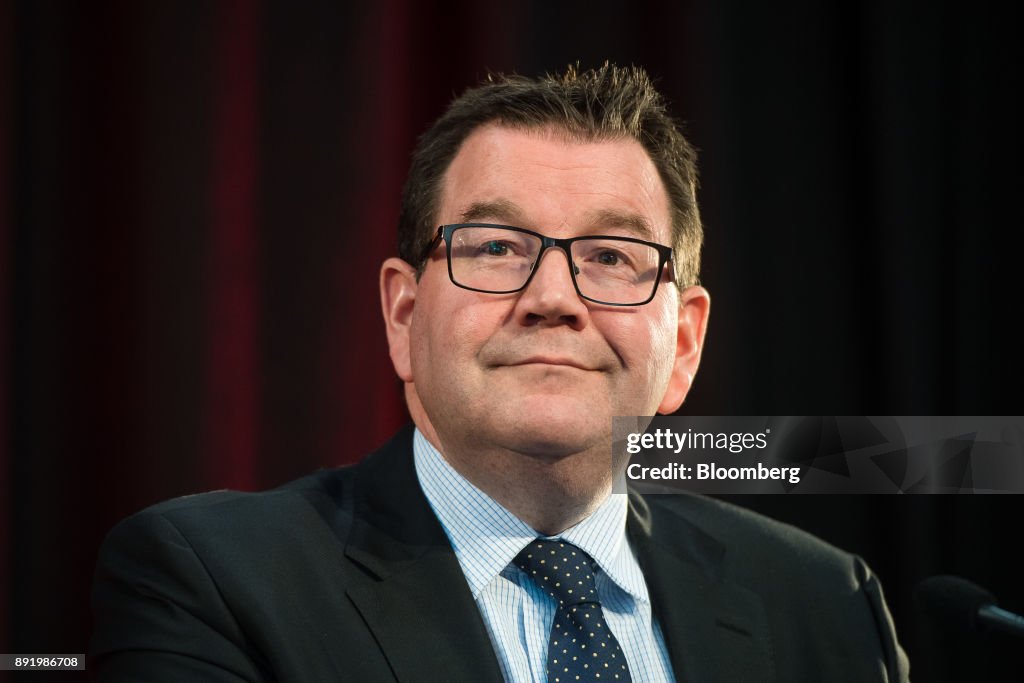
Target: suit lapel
417, 602
714, 630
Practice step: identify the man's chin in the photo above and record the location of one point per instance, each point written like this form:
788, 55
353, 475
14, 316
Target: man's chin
555, 429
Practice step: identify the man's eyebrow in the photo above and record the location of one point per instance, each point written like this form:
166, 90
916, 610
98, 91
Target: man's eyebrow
508, 212
501, 210
622, 220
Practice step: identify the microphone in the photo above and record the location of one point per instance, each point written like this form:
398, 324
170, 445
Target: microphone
954, 600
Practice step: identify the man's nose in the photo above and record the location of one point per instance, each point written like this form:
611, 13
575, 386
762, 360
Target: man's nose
551, 295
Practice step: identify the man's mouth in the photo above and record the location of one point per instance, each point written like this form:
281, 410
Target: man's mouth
550, 360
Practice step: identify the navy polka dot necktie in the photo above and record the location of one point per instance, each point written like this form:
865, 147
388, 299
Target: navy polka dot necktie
581, 646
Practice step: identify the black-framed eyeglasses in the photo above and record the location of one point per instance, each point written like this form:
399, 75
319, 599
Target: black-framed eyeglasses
501, 259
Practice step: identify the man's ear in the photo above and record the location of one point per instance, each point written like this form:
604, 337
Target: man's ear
397, 298
694, 305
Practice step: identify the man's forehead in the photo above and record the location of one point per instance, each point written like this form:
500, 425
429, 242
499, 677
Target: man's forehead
501, 174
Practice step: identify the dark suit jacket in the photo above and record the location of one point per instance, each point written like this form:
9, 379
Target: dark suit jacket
346, 575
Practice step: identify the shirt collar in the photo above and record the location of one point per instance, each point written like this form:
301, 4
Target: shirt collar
486, 537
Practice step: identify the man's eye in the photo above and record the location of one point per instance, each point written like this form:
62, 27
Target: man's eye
608, 258
494, 248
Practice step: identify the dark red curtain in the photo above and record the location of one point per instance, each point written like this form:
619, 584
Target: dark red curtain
195, 199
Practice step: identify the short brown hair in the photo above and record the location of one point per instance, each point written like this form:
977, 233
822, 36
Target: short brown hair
608, 102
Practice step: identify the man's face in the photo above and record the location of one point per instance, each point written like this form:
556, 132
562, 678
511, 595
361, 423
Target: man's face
542, 371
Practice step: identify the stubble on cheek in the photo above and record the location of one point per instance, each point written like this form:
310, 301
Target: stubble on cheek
659, 361
449, 378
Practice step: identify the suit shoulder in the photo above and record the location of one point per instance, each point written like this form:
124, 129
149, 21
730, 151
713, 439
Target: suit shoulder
807, 590
754, 543
316, 509
322, 496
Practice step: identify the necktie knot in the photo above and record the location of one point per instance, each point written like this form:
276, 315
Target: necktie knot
561, 569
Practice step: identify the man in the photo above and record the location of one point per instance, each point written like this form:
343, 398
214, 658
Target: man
485, 544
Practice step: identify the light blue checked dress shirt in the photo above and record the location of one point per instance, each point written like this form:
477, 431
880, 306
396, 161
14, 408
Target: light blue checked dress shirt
518, 614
